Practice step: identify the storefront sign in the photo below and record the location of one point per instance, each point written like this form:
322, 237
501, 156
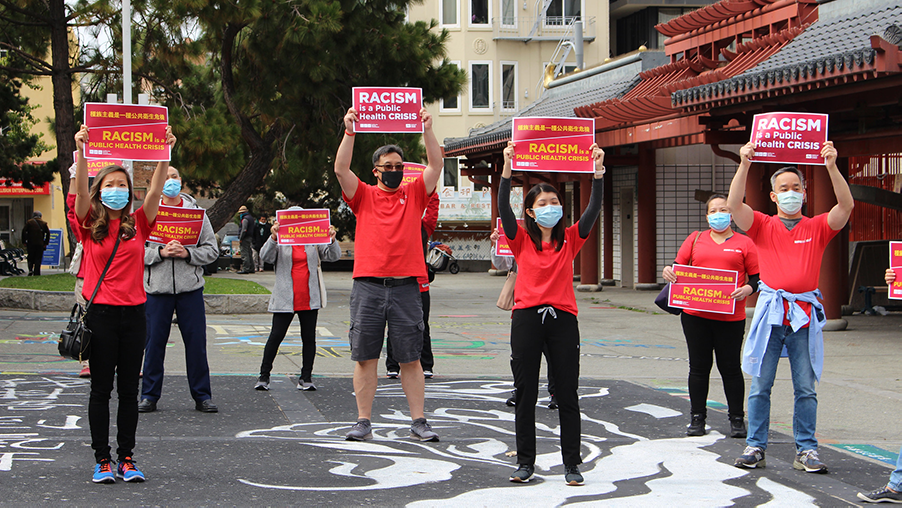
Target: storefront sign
126, 131
54, 250
703, 289
16, 189
177, 223
553, 144
304, 227
895, 262
382, 109
789, 138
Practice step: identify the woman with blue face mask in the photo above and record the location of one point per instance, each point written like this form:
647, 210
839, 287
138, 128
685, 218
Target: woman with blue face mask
116, 317
544, 314
710, 334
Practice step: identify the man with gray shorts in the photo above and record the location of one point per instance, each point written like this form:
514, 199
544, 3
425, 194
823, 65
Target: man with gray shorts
388, 258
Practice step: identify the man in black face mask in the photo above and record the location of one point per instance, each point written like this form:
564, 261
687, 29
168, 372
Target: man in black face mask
388, 258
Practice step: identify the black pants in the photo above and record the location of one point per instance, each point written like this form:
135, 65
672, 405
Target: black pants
280, 323
117, 347
35, 255
426, 358
532, 330
706, 338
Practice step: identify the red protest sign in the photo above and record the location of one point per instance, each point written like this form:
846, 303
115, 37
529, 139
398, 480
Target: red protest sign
95, 165
895, 262
177, 223
412, 171
503, 245
304, 227
703, 289
553, 144
126, 131
381, 109
789, 138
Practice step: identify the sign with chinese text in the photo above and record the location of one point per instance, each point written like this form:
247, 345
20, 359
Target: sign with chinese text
553, 144
126, 131
895, 262
703, 289
381, 109
502, 246
53, 252
304, 227
789, 138
412, 171
177, 223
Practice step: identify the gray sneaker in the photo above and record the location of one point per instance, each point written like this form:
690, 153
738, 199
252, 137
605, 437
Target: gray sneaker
751, 458
361, 431
809, 462
262, 383
421, 431
306, 386
884, 495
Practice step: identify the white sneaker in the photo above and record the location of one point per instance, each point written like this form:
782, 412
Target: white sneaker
428, 374
306, 386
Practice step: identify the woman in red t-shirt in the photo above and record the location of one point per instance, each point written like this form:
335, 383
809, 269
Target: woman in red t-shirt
711, 334
544, 314
116, 316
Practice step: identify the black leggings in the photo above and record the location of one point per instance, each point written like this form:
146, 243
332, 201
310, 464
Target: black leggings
723, 339
532, 331
280, 323
117, 350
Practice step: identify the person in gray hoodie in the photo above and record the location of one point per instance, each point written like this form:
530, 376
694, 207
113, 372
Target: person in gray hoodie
299, 290
173, 280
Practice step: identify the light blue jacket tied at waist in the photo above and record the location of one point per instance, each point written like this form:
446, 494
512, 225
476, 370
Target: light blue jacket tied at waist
769, 313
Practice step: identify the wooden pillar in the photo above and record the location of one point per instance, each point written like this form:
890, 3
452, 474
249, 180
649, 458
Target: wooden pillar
647, 218
589, 254
833, 281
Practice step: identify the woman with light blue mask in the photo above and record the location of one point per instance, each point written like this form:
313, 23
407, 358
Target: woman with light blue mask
710, 334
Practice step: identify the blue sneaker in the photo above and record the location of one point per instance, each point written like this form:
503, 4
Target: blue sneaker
103, 472
128, 472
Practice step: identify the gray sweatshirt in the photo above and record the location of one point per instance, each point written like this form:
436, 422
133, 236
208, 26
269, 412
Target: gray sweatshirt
282, 299
169, 276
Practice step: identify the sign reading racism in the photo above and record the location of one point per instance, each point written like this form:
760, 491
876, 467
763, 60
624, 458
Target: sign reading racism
412, 171
304, 227
703, 289
95, 165
381, 109
789, 138
553, 144
126, 131
503, 245
895, 262
177, 223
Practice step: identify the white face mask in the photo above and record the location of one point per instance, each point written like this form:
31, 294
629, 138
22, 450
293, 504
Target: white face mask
790, 201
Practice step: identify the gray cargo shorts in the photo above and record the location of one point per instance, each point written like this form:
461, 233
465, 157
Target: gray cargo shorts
373, 305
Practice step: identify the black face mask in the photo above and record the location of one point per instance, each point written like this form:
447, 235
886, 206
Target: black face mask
392, 179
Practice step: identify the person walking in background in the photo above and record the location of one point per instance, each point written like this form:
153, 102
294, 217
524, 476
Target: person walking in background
545, 310
36, 237
246, 238
174, 282
298, 290
113, 234
261, 234
710, 334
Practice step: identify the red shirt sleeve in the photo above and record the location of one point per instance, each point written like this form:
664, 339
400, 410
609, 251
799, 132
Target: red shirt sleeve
354, 204
430, 220
751, 258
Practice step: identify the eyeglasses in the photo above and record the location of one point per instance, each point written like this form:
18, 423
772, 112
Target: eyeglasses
391, 167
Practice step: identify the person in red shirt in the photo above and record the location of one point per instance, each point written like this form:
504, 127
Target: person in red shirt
388, 259
710, 334
544, 314
116, 316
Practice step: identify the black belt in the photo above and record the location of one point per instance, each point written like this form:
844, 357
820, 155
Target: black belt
389, 282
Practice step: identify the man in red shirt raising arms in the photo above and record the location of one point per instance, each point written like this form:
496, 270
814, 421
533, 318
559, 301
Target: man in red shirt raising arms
788, 313
388, 258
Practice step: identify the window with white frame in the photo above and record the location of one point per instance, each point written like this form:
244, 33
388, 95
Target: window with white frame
563, 12
481, 86
479, 12
509, 13
449, 10
450, 104
509, 86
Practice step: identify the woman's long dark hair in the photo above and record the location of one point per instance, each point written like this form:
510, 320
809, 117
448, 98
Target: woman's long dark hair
99, 223
557, 232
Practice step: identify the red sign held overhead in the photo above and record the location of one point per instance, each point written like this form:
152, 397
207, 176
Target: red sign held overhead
304, 227
177, 223
126, 131
703, 289
381, 109
895, 262
553, 144
412, 171
789, 138
95, 165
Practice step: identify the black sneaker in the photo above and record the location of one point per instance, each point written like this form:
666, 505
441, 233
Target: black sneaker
572, 475
883, 495
262, 383
512, 400
523, 473
552, 404
147, 406
737, 427
751, 458
696, 426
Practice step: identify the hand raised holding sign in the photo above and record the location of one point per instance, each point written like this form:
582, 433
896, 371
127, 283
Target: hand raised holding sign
350, 119
598, 157
747, 152
426, 117
828, 152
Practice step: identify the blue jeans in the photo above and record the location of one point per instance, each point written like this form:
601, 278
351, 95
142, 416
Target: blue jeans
895, 479
804, 418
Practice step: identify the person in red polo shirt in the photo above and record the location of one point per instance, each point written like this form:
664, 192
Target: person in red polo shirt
388, 259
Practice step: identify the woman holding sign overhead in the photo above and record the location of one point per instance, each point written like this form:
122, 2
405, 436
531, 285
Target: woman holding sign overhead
544, 313
710, 334
113, 237
298, 290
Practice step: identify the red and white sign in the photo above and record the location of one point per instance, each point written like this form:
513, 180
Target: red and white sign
95, 165
895, 262
177, 223
503, 245
703, 289
381, 109
304, 227
412, 171
553, 144
126, 131
789, 138
16, 189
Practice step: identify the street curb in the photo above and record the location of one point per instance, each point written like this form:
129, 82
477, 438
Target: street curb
46, 301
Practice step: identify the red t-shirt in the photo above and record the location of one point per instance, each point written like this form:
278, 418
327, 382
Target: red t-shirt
738, 253
430, 220
791, 260
300, 278
545, 277
73, 223
388, 241
122, 284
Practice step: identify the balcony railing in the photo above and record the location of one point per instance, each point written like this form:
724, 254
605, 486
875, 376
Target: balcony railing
546, 28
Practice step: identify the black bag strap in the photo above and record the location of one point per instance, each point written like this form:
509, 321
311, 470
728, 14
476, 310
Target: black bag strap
102, 274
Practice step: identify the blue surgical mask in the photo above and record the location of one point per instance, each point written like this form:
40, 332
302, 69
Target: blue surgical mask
719, 221
548, 216
114, 199
790, 202
172, 187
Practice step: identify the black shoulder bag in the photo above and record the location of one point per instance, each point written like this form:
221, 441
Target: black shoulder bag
75, 340
664, 296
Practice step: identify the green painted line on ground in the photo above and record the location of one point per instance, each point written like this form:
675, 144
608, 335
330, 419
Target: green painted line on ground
870, 451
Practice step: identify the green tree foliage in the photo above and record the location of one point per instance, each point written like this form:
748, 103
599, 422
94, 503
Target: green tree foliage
17, 143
